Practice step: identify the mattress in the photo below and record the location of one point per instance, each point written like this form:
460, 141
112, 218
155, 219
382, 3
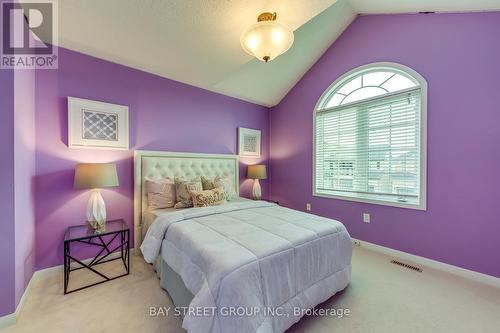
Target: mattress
265, 260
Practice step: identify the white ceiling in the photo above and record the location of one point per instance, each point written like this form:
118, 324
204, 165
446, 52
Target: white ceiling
197, 41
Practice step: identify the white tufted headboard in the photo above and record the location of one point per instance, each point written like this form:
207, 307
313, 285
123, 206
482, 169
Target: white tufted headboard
158, 164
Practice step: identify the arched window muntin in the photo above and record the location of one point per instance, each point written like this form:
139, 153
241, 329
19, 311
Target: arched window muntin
412, 80
418, 85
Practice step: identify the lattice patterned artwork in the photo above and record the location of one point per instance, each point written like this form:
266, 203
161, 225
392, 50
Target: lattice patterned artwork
100, 126
94, 124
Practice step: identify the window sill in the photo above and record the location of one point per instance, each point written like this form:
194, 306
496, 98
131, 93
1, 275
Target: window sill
374, 201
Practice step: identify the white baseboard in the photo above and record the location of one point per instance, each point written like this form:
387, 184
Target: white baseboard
437, 265
8, 320
11, 319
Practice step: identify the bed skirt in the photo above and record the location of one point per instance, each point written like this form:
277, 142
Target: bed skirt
172, 282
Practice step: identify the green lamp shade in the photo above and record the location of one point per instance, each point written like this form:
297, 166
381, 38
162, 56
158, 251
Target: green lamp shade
257, 172
95, 175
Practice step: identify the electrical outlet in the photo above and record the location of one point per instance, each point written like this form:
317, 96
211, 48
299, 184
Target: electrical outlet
308, 207
366, 217
356, 242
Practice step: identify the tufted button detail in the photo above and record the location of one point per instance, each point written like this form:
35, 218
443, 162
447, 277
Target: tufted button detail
179, 167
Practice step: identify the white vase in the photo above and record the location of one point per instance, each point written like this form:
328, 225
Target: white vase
96, 211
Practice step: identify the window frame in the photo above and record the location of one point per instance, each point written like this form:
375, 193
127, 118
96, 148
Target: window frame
398, 68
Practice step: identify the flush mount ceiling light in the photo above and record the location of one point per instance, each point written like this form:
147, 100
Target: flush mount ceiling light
266, 39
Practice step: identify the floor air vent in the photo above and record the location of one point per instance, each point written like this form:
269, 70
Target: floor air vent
402, 264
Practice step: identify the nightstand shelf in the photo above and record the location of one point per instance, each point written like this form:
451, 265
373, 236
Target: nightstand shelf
113, 242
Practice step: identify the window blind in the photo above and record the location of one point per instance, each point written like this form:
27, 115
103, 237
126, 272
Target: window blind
370, 149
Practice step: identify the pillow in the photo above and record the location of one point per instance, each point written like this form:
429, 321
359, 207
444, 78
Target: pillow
226, 182
208, 184
207, 198
160, 193
182, 188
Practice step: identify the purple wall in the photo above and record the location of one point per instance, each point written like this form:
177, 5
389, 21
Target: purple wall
164, 115
459, 55
7, 272
24, 166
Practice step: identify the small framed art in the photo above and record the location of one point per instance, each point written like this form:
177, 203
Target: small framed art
93, 124
248, 142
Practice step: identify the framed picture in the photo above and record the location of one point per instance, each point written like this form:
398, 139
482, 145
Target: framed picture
93, 124
248, 142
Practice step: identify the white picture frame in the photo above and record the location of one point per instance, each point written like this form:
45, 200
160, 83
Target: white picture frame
97, 125
249, 142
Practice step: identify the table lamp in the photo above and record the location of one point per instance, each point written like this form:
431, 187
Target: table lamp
96, 176
256, 172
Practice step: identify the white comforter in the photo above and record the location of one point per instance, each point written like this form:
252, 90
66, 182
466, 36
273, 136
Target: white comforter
252, 256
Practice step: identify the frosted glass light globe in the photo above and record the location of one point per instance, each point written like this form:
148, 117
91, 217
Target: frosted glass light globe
267, 39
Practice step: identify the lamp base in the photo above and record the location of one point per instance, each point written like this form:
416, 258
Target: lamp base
96, 227
96, 211
256, 190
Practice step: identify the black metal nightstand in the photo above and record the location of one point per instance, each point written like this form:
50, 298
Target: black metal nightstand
82, 234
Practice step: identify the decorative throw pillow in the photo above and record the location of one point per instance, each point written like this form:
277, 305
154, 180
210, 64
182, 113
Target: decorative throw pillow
207, 198
208, 184
160, 193
226, 182
182, 189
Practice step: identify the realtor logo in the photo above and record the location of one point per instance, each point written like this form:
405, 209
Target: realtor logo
29, 32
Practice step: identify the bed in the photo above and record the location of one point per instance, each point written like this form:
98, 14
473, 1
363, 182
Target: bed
244, 266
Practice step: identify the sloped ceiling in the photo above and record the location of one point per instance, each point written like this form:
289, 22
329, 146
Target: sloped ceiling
197, 41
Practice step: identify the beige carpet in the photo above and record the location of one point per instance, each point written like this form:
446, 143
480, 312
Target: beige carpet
382, 298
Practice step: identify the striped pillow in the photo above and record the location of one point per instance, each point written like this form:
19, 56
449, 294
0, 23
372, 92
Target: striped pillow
160, 193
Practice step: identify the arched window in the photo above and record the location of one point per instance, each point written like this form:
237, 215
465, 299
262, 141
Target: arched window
370, 137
